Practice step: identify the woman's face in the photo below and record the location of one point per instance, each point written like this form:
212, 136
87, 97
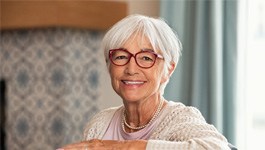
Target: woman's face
132, 82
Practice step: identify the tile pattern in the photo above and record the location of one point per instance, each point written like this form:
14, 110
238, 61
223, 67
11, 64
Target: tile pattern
52, 85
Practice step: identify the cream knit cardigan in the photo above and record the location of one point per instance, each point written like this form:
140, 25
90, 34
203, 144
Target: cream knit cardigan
183, 128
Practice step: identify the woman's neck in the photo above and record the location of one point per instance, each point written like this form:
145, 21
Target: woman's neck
140, 113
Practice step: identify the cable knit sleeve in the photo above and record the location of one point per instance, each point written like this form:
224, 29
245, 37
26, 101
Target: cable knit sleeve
185, 128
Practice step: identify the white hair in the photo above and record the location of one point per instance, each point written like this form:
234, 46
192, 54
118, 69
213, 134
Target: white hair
162, 38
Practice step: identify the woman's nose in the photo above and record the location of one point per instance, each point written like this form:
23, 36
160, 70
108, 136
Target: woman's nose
131, 67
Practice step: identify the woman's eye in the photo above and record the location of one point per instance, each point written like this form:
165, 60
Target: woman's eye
120, 57
145, 58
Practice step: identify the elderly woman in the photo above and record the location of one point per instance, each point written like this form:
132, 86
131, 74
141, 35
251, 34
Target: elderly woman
141, 54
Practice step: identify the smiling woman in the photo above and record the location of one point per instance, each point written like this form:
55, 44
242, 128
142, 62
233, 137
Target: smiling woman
146, 120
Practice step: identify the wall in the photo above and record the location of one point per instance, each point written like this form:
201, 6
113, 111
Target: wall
145, 7
56, 80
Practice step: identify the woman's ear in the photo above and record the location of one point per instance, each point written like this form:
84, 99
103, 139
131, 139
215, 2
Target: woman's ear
169, 73
171, 69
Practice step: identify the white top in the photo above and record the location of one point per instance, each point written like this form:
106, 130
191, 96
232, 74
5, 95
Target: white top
115, 130
182, 127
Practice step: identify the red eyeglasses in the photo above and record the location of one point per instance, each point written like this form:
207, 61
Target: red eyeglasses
144, 59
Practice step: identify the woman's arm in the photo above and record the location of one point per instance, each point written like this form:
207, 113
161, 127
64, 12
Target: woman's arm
198, 144
96, 144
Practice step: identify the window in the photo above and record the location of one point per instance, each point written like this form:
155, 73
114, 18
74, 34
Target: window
251, 98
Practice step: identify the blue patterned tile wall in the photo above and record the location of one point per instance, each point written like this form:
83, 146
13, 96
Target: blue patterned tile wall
52, 85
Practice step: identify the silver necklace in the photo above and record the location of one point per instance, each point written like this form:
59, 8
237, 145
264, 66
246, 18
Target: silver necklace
141, 127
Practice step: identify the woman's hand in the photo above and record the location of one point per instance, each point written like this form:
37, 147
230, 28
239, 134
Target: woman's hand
107, 145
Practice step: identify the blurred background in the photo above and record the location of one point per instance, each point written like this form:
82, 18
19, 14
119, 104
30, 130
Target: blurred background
53, 77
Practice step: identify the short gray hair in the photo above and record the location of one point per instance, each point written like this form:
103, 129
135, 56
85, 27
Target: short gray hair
160, 35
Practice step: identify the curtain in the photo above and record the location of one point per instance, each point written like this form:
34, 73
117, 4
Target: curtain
206, 74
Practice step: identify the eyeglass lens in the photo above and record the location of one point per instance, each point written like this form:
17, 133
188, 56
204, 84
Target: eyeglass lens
143, 59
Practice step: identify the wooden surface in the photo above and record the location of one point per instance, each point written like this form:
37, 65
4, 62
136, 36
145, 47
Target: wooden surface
95, 15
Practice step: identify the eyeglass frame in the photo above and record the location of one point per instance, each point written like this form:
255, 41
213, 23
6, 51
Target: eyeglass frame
134, 55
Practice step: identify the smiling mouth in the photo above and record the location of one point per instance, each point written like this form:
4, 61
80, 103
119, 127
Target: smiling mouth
132, 82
